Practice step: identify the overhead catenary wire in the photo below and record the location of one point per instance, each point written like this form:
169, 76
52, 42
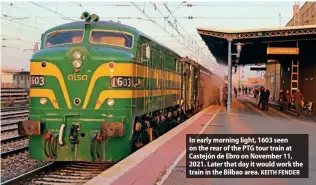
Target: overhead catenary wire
36, 17
171, 25
189, 5
11, 47
192, 50
4, 18
53, 11
148, 17
5, 37
178, 23
83, 6
181, 17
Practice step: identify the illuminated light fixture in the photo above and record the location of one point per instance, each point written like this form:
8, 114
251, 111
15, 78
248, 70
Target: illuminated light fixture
77, 55
111, 65
95, 18
138, 126
77, 64
87, 17
43, 101
110, 102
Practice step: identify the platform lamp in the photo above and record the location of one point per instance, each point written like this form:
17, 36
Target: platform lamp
239, 48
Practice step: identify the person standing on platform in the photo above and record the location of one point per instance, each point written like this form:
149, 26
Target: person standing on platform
261, 96
282, 100
298, 99
235, 91
266, 99
288, 99
239, 90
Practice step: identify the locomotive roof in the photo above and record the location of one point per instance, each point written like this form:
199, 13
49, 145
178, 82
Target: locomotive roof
130, 29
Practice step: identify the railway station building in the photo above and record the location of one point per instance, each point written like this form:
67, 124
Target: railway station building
14, 78
293, 48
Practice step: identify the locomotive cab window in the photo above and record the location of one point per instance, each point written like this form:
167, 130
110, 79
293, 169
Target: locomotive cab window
115, 38
60, 37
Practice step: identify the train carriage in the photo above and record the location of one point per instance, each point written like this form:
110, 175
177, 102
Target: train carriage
101, 90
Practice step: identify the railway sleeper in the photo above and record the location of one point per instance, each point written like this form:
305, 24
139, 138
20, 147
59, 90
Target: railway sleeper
54, 176
53, 180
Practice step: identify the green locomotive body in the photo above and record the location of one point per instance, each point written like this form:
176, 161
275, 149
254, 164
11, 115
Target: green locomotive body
101, 90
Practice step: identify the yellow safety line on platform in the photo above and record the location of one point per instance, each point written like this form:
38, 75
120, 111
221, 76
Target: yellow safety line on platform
45, 93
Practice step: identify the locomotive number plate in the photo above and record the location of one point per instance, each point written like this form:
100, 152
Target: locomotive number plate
121, 81
37, 81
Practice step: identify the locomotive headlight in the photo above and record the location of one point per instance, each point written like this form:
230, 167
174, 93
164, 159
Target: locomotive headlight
110, 102
77, 64
77, 55
43, 101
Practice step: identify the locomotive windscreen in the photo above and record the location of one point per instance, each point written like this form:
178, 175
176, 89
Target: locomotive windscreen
59, 37
116, 38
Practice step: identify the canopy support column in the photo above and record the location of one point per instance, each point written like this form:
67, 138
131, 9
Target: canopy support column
229, 76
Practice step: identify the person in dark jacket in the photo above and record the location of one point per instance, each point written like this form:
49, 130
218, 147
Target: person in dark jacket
282, 100
261, 95
288, 99
235, 91
266, 99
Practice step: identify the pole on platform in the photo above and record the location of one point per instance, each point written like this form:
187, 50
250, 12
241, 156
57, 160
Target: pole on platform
229, 76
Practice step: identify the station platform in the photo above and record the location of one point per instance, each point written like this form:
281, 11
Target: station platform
163, 161
274, 106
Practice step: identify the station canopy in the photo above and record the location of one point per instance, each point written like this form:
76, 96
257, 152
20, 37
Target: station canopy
256, 41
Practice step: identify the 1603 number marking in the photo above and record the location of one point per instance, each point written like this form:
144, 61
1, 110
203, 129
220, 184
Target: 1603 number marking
121, 82
37, 81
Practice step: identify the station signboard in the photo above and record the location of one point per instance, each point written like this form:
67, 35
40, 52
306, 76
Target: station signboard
282, 51
258, 68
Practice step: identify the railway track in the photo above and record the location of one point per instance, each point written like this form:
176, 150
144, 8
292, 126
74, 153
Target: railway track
11, 122
14, 115
7, 109
15, 151
9, 128
14, 145
16, 165
61, 173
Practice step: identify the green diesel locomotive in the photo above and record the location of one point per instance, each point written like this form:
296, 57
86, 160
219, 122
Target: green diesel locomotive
101, 90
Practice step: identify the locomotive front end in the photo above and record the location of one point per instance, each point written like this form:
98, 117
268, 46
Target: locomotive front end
81, 97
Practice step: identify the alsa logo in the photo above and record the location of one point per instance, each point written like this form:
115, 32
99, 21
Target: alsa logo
75, 77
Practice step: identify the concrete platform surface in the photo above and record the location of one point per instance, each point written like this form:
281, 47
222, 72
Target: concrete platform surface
247, 119
147, 165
